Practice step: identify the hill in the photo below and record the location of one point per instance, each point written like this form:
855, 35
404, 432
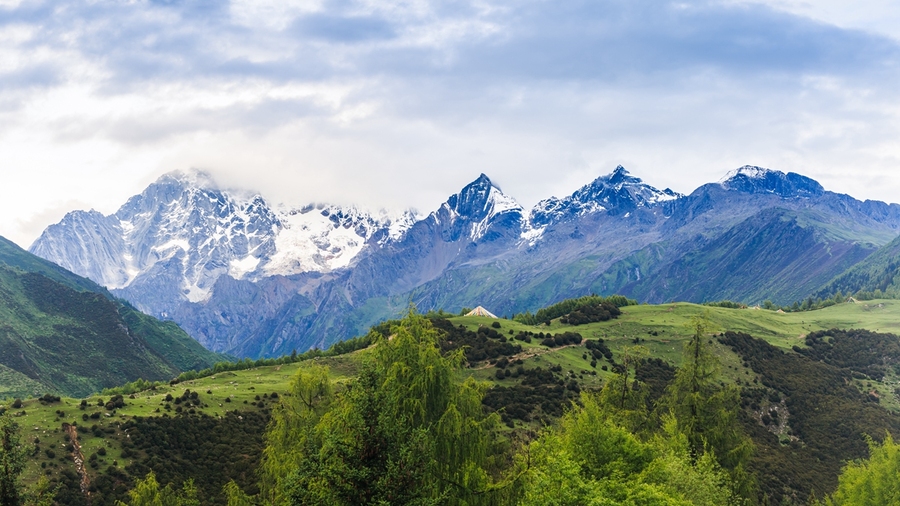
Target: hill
786, 365
64, 334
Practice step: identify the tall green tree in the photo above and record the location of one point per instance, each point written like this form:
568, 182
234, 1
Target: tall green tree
705, 412
12, 462
405, 431
871, 482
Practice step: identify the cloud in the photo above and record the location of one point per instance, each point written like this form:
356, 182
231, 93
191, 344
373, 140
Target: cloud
400, 103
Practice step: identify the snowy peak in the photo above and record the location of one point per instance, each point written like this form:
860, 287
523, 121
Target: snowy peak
87, 243
186, 230
618, 192
322, 238
475, 209
752, 179
481, 198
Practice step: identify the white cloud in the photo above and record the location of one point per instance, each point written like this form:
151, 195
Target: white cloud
401, 103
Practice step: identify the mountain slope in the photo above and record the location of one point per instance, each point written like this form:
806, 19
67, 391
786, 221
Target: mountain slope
58, 334
771, 255
880, 271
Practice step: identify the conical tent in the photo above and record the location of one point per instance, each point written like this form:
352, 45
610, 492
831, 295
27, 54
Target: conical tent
480, 311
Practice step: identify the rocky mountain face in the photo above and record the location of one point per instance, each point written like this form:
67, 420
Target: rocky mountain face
254, 279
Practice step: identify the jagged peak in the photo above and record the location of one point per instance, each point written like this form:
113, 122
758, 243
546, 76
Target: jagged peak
616, 190
482, 180
482, 194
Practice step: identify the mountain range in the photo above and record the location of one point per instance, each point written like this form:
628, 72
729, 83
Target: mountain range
252, 278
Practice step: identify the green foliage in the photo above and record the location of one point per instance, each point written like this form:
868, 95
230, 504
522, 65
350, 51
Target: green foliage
486, 343
591, 313
234, 496
133, 387
871, 482
209, 451
406, 431
12, 462
726, 304
147, 492
572, 305
13, 457
591, 460
871, 354
705, 412
827, 416
541, 395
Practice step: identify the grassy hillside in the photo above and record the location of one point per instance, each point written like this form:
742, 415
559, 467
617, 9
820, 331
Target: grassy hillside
211, 426
233, 408
61, 333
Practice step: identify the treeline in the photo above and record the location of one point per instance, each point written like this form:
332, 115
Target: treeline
810, 303
569, 306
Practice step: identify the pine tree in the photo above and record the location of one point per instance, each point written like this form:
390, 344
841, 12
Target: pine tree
706, 412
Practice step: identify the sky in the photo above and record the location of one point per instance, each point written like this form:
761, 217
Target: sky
399, 104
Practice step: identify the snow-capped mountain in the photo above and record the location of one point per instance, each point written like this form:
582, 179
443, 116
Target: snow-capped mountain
618, 192
752, 179
473, 212
185, 222
252, 278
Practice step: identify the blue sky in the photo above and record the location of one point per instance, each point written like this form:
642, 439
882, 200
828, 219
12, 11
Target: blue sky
398, 104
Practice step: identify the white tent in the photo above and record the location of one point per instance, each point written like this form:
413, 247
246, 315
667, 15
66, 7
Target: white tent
480, 311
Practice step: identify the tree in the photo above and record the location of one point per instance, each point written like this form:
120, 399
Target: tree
706, 412
405, 431
12, 462
624, 400
871, 482
234, 496
146, 492
292, 437
589, 459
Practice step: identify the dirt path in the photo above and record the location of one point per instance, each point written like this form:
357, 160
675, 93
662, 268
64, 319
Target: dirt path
78, 457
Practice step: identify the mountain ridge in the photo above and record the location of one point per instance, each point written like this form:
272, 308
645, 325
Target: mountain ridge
259, 279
